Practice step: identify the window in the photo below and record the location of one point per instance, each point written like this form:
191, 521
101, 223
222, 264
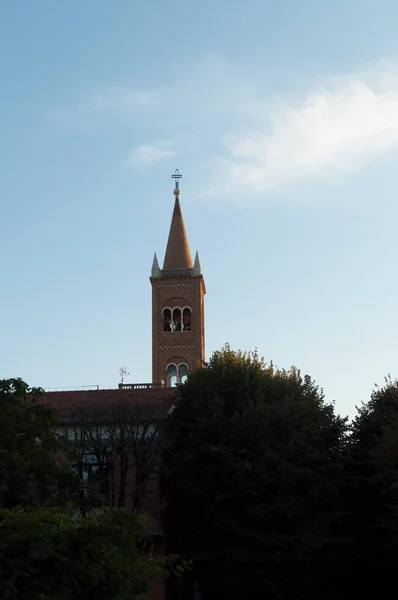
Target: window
94, 470
166, 319
177, 319
182, 373
171, 376
186, 319
176, 374
90, 468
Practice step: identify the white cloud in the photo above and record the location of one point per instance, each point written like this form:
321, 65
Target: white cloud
244, 136
331, 132
148, 155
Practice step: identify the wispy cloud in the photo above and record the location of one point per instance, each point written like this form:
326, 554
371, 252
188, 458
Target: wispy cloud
331, 132
148, 155
253, 137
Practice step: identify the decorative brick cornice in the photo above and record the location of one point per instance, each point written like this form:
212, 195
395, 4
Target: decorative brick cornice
176, 348
176, 272
176, 286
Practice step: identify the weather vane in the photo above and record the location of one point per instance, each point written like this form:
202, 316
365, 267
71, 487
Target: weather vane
176, 177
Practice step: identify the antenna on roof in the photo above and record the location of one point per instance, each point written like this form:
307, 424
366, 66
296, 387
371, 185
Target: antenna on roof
123, 372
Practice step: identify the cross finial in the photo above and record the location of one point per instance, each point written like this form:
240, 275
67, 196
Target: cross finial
176, 177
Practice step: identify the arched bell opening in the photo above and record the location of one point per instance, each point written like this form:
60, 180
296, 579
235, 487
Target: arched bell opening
187, 319
167, 322
177, 322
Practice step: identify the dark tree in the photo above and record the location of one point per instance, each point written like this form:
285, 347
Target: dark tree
253, 476
372, 485
56, 543
48, 554
34, 459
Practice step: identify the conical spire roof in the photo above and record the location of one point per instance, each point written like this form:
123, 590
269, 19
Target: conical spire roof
197, 267
155, 267
178, 254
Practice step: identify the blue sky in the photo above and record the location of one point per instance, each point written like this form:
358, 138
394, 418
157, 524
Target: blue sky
282, 117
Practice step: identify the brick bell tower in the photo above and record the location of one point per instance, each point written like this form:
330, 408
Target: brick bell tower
178, 337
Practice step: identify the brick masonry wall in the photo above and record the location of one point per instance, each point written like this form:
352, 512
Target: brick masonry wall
177, 347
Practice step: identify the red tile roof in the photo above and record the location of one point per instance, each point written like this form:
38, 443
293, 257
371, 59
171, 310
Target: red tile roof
69, 403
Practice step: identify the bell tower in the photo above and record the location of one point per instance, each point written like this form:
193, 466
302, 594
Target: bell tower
178, 338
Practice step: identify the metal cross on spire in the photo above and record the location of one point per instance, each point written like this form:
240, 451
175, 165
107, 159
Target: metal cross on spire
176, 177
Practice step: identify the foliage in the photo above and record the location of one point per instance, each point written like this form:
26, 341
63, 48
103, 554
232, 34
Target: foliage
34, 469
55, 542
48, 554
254, 466
372, 482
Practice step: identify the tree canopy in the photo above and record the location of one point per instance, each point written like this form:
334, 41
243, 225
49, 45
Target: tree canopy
372, 492
32, 469
56, 543
254, 468
48, 554
266, 489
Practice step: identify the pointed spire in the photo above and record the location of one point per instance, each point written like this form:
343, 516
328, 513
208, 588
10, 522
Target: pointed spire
197, 267
178, 254
155, 267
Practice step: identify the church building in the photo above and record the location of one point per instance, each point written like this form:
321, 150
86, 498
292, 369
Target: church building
178, 289
178, 347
